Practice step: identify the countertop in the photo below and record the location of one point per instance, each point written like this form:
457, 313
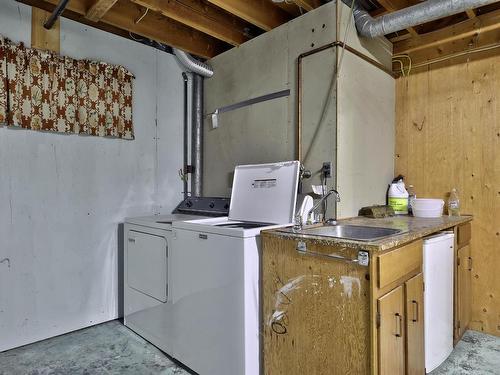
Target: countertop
413, 227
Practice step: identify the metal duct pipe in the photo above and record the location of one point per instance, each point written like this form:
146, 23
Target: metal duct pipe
185, 137
55, 14
426, 11
197, 137
193, 65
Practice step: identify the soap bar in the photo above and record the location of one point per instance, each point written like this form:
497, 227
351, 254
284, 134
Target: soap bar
376, 211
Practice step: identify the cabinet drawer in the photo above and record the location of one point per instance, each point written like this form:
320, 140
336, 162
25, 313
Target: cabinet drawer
397, 263
464, 234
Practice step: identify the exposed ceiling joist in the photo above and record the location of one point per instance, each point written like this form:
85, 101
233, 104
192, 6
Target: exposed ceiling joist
261, 13
206, 19
99, 9
308, 4
470, 13
123, 15
483, 30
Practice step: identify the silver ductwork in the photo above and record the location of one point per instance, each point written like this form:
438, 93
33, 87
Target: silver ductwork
197, 137
193, 65
199, 70
426, 11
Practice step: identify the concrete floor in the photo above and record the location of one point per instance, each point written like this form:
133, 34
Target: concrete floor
111, 348
476, 354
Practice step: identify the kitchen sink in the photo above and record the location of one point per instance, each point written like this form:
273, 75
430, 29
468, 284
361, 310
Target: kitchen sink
353, 232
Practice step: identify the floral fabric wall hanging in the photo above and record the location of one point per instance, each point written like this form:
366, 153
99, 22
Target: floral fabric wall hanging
41, 90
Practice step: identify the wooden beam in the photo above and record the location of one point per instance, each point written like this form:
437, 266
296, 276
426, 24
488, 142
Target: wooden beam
308, 4
42, 38
484, 30
123, 15
99, 9
204, 18
261, 13
470, 13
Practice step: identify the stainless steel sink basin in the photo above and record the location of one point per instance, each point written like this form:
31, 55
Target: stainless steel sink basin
353, 232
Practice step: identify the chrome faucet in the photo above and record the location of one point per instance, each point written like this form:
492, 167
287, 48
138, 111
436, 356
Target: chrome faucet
320, 202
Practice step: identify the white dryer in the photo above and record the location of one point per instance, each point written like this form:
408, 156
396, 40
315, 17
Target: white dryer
147, 269
215, 265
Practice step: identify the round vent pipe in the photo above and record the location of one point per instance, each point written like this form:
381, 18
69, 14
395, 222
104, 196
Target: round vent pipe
193, 65
426, 11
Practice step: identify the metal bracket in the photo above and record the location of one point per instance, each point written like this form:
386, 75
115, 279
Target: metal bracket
245, 103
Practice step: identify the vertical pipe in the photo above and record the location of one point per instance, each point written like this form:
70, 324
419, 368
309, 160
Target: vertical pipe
185, 137
197, 136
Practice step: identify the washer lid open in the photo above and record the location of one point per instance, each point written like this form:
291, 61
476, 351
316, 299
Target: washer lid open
265, 193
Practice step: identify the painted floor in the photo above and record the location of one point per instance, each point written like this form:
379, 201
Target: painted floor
476, 354
111, 348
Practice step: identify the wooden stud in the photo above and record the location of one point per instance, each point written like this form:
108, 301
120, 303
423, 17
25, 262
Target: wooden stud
261, 13
204, 18
123, 15
308, 5
470, 13
99, 9
42, 38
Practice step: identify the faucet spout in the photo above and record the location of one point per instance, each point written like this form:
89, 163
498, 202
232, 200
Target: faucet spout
320, 202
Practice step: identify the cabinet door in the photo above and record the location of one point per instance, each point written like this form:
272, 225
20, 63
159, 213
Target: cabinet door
391, 333
464, 270
415, 360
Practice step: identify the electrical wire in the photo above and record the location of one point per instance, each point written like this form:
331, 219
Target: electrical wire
398, 57
136, 39
333, 83
142, 17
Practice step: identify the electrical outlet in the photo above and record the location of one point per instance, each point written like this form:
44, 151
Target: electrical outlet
327, 169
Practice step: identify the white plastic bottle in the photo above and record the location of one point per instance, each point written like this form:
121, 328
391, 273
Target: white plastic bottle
398, 197
453, 203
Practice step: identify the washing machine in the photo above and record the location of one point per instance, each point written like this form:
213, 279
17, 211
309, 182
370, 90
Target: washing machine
147, 268
215, 266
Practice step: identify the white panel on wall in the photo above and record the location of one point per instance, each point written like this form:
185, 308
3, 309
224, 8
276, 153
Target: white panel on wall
63, 196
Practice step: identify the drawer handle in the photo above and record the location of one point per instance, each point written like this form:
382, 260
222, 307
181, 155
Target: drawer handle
202, 236
470, 264
415, 311
399, 324
131, 240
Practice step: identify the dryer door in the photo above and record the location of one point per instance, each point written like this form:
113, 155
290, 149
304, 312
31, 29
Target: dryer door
147, 265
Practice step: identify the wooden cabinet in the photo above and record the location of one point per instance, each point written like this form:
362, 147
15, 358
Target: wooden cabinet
401, 329
464, 268
391, 332
415, 360
324, 312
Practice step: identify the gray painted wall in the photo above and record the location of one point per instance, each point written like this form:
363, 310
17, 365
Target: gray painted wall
62, 197
266, 132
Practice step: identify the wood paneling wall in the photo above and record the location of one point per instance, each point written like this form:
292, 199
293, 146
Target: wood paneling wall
448, 135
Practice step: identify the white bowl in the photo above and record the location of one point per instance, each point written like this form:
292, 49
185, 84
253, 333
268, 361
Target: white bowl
430, 212
427, 204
